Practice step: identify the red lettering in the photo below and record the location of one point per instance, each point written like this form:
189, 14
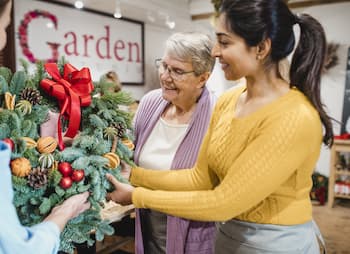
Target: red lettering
86, 39
119, 44
106, 38
131, 45
73, 44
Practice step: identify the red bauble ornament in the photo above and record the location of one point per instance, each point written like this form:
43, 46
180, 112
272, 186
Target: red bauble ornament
78, 175
10, 143
65, 169
66, 182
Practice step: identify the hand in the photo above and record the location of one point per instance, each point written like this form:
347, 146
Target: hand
122, 193
125, 171
69, 209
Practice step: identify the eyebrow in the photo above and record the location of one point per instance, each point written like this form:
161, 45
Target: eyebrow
221, 34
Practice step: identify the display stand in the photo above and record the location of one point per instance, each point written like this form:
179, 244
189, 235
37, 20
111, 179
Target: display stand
339, 170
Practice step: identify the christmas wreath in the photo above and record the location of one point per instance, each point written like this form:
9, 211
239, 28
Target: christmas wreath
44, 172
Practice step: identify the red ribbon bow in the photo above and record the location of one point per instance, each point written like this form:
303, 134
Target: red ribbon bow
72, 92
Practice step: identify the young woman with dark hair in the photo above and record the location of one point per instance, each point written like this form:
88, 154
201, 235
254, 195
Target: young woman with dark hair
253, 172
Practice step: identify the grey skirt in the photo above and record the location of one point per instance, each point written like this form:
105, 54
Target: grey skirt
251, 238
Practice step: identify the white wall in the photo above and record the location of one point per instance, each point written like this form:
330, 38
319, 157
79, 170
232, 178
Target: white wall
335, 19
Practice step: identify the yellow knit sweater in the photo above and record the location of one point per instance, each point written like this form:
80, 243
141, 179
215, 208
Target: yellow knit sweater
255, 168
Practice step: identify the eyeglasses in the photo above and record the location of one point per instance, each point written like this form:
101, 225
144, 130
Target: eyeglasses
175, 73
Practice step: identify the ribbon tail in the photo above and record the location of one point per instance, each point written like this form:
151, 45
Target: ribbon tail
74, 116
59, 134
59, 127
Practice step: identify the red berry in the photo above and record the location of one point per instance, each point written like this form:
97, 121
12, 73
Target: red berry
10, 143
78, 175
66, 182
65, 168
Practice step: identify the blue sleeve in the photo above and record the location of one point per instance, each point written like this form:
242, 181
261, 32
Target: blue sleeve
15, 238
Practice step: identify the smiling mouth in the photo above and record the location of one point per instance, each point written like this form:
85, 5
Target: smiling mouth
224, 65
169, 88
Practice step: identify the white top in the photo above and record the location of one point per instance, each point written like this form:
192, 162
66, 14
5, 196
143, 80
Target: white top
159, 150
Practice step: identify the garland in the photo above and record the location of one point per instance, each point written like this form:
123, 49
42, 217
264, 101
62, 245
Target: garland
23, 35
43, 175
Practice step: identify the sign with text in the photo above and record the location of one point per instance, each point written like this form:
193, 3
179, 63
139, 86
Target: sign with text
48, 31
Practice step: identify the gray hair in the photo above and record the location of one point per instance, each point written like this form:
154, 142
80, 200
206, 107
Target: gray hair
192, 47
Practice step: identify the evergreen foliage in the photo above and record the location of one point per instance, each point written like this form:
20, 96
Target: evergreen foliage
86, 153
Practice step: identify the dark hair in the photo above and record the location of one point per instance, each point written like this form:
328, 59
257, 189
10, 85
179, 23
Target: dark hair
257, 20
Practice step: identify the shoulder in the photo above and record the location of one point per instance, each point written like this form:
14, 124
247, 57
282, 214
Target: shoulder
151, 98
229, 97
298, 103
295, 114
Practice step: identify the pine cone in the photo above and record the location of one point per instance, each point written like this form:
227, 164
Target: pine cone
32, 95
120, 127
37, 178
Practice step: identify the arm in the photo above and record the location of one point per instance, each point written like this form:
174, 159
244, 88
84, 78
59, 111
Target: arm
200, 177
267, 162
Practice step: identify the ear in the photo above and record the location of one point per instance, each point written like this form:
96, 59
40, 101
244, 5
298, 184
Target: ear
263, 49
203, 79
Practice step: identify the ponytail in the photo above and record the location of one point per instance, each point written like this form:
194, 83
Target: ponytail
307, 65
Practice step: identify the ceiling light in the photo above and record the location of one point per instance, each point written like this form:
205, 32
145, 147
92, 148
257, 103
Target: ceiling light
79, 4
117, 13
170, 23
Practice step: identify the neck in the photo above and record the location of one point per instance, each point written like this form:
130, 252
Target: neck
266, 85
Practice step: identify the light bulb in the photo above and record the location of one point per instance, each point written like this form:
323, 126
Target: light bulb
117, 15
79, 4
171, 24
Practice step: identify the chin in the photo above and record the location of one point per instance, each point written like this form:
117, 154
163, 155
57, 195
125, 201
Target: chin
167, 97
232, 77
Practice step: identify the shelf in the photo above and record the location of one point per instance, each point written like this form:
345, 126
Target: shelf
339, 146
342, 172
341, 196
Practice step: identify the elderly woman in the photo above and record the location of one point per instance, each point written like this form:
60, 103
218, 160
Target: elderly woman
169, 126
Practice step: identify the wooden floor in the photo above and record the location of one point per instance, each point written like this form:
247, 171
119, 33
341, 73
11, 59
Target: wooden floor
334, 224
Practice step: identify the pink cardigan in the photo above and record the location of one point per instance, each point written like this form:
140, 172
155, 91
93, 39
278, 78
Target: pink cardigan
183, 236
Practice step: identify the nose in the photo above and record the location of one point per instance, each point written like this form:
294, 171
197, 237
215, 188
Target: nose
215, 51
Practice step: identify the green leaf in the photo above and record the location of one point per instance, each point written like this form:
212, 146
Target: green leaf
83, 188
45, 206
3, 85
4, 131
99, 235
105, 228
27, 126
18, 82
60, 192
6, 73
81, 163
97, 122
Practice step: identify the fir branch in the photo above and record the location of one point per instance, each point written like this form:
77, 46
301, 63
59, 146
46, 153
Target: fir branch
18, 82
3, 86
4, 130
6, 73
